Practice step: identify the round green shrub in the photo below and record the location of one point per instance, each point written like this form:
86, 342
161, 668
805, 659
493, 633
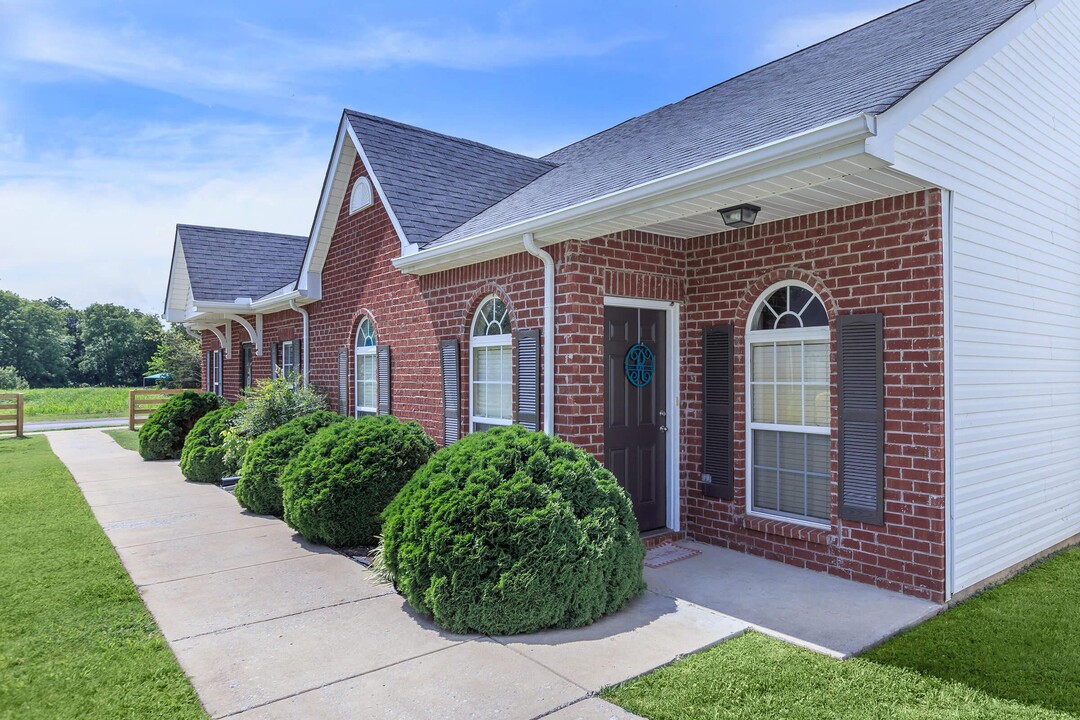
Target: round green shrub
162, 436
511, 531
335, 490
259, 486
203, 456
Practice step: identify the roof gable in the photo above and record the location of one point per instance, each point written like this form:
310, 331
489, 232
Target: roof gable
224, 264
434, 182
866, 70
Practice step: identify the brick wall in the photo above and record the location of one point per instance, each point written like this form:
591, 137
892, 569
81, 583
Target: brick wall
881, 257
878, 257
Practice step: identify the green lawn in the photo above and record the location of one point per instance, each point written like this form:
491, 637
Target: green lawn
75, 639
75, 403
1011, 652
127, 439
1020, 640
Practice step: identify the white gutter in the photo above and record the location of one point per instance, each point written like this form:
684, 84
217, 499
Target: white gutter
304, 314
849, 134
549, 330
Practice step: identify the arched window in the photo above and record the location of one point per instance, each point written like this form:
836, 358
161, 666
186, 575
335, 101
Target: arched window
491, 386
789, 405
367, 381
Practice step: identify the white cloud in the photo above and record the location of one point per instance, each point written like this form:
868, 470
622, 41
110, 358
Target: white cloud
790, 34
99, 228
259, 62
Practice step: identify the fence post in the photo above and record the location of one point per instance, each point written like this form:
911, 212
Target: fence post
131, 410
19, 415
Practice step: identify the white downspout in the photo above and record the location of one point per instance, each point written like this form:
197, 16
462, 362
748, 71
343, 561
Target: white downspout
549, 330
304, 314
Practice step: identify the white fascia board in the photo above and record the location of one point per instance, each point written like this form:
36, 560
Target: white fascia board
264, 305
303, 282
407, 248
836, 140
177, 249
895, 119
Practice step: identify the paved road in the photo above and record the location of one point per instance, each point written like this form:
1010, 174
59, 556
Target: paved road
71, 424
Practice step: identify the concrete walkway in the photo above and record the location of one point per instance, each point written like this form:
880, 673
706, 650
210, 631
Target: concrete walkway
269, 626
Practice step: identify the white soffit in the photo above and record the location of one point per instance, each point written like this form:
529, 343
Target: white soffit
778, 202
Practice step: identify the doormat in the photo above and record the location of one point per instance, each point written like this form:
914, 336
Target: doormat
667, 554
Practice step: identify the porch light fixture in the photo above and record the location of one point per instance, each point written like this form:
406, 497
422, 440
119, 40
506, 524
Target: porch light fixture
740, 216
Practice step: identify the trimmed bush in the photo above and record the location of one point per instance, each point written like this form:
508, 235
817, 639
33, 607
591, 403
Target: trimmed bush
203, 456
259, 486
162, 436
336, 488
268, 405
510, 531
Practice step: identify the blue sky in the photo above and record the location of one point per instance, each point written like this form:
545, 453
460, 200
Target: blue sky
120, 119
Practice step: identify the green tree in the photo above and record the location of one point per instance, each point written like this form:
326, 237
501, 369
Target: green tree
34, 340
117, 344
178, 355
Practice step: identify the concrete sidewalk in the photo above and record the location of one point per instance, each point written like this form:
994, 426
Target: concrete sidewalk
269, 626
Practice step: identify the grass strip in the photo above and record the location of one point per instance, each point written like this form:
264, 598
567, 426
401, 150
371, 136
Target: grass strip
753, 677
76, 640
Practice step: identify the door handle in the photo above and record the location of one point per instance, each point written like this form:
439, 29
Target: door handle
663, 428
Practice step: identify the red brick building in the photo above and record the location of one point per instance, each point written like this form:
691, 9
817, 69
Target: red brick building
744, 304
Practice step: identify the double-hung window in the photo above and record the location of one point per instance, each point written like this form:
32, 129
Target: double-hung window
790, 410
491, 399
288, 359
367, 381
246, 355
216, 373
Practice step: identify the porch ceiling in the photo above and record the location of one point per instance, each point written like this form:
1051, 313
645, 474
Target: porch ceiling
831, 193
824, 186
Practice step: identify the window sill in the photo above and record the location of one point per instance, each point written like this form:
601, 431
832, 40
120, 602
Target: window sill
790, 530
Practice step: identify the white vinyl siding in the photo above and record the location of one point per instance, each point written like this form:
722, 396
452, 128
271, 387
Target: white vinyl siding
1006, 141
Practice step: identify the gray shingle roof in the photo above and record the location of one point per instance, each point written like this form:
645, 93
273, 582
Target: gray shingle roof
865, 70
434, 182
224, 264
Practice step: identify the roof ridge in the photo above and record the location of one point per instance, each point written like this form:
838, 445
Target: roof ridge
455, 138
238, 230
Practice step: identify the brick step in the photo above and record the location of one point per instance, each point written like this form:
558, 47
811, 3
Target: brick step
656, 538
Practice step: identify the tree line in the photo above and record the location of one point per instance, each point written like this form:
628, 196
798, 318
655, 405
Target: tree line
48, 343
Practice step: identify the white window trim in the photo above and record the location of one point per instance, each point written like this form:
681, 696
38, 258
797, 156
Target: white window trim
218, 379
760, 337
506, 340
286, 371
364, 351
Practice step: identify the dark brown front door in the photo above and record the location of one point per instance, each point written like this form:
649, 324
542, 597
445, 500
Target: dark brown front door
635, 408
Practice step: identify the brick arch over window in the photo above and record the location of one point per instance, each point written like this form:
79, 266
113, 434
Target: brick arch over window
476, 299
755, 290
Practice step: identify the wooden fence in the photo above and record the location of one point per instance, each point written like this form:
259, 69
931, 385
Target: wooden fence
143, 403
11, 413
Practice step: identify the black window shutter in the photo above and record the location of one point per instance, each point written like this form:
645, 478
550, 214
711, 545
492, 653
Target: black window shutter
382, 360
343, 381
861, 378
528, 379
451, 383
718, 431
298, 357
273, 360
